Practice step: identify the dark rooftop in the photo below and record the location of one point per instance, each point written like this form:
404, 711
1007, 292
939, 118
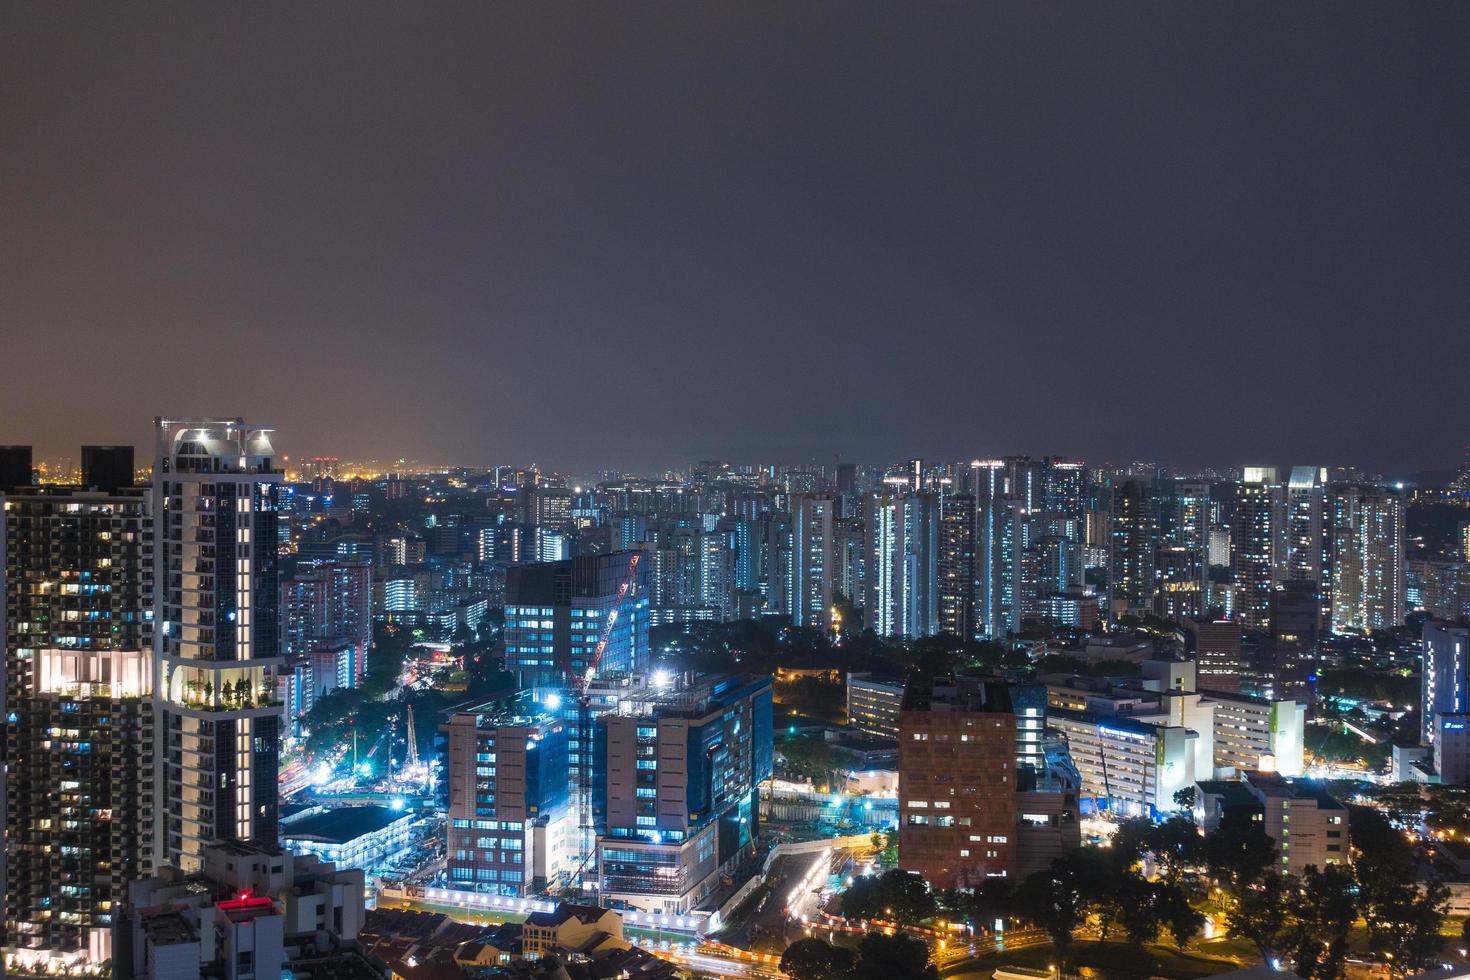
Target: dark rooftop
342, 824
958, 693
586, 914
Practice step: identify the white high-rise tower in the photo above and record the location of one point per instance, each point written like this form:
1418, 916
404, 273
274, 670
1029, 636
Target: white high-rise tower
216, 642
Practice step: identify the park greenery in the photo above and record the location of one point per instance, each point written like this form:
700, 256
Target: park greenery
765, 647
1302, 921
877, 957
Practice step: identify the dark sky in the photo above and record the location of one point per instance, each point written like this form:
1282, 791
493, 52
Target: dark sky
638, 234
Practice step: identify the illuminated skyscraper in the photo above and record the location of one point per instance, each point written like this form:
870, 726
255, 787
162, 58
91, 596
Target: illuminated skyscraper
1064, 491
1026, 481
1254, 539
216, 486
78, 580
809, 599
1178, 583
848, 553
1306, 553
957, 585
1445, 704
749, 545
995, 545
1367, 558
903, 565
1189, 528
1133, 536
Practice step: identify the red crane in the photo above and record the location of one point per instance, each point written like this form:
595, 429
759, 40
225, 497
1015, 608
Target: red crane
580, 682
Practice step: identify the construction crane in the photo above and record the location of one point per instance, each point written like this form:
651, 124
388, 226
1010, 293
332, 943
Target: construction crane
413, 742
580, 682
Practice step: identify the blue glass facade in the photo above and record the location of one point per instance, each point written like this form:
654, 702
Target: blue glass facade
558, 613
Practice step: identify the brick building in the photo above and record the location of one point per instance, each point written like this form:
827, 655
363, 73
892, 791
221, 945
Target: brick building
957, 782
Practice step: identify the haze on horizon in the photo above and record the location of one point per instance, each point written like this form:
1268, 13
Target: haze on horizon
635, 236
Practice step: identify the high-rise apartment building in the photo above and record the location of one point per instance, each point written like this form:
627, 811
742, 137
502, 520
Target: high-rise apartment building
958, 613
1439, 588
957, 782
1367, 558
79, 806
216, 485
1306, 553
1189, 515
1064, 492
995, 545
903, 565
1254, 539
1179, 582
1187, 526
749, 541
1133, 537
848, 550
812, 563
1296, 627
331, 602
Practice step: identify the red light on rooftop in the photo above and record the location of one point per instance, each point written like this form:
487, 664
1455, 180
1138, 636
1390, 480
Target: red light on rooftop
245, 902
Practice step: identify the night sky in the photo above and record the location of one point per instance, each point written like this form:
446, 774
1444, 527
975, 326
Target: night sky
639, 234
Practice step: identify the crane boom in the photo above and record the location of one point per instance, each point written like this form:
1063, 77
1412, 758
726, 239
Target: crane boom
625, 587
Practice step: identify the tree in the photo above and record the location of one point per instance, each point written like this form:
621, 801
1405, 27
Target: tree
1326, 909
1139, 909
1383, 860
895, 894
1238, 854
1097, 879
1403, 919
1055, 901
1130, 841
813, 959
1177, 845
1177, 915
1184, 798
883, 957
1261, 915
1403, 925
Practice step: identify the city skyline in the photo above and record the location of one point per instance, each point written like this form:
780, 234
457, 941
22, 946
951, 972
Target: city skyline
761, 491
66, 464
642, 238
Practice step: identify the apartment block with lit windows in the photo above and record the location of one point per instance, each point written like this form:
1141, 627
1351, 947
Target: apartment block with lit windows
873, 704
78, 738
675, 772
216, 643
957, 782
511, 829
